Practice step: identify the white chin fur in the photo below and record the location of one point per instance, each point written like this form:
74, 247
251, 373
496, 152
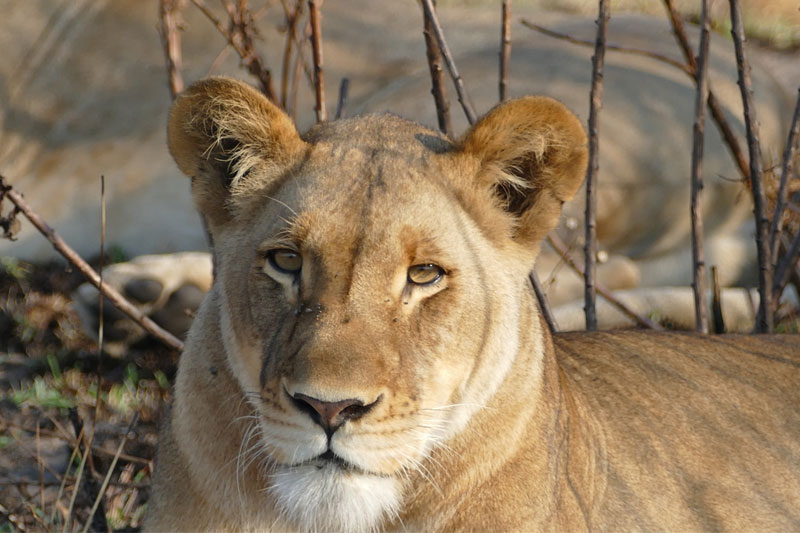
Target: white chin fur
331, 499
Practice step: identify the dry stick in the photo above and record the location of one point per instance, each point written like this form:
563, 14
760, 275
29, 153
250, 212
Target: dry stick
786, 170
438, 89
543, 303
595, 103
300, 41
292, 16
505, 48
171, 39
561, 250
719, 320
698, 256
70, 255
76, 488
784, 269
344, 86
765, 320
110, 471
242, 21
616, 48
463, 97
714, 106
40, 462
316, 46
242, 43
63, 483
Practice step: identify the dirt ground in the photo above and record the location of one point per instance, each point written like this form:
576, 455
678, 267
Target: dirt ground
78, 428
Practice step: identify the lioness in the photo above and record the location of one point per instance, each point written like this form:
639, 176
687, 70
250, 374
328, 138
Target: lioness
371, 357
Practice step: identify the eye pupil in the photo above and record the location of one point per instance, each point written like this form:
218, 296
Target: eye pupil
287, 261
426, 274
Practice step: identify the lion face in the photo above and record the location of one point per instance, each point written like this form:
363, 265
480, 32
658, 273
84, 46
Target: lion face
361, 272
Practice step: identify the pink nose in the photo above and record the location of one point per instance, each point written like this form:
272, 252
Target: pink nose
331, 415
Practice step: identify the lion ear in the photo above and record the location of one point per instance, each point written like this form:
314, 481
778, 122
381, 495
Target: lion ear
231, 141
532, 154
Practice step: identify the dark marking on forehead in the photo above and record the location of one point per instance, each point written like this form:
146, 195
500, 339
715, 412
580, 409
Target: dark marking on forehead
376, 178
434, 143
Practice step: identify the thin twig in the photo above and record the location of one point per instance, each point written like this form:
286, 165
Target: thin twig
113, 465
544, 305
70, 255
463, 97
561, 250
764, 321
63, 482
716, 307
713, 104
344, 86
241, 40
786, 171
616, 48
292, 16
505, 48
76, 488
300, 42
595, 103
698, 255
438, 88
784, 269
717, 113
171, 40
72, 441
298, 65
316, 47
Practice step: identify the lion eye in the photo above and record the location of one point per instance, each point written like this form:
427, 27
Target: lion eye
427, 274
285, 261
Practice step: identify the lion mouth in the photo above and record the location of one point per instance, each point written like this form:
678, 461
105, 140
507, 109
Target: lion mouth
329, 459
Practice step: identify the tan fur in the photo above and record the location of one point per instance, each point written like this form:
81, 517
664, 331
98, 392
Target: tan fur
481, 420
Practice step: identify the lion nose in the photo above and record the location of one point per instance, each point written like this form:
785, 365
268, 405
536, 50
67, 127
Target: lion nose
331, 415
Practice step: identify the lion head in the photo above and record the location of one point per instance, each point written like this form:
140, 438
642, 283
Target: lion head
371, 286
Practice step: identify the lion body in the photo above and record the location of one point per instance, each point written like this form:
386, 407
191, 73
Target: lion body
370, 355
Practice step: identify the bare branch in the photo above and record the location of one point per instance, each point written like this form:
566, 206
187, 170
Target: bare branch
713, 104
716, 307
64, 249
292, 16
764, 322
505, 48
463, 97
171, 40
786, 171
544, 305
616, 48
344, 86
438, 89
240, 38
698, 256
561, 250
595, 103
316, 45
784, 268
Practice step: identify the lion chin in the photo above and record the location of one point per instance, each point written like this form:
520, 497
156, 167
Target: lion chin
325, 496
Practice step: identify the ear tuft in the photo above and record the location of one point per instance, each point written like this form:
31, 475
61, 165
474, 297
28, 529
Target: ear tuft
533, 156
231, 141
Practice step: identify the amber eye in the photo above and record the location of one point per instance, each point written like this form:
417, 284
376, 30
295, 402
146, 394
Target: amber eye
285, 261
427, 274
